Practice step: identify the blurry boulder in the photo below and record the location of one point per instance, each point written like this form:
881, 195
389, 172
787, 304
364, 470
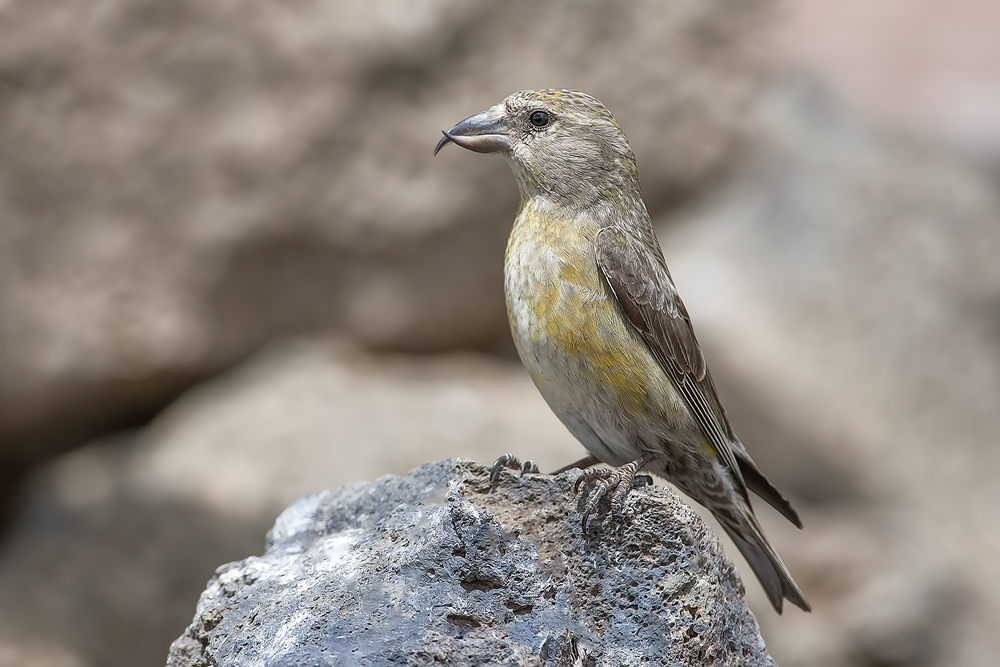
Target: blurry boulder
850, 280
443, 567
94, 573
114, 542
183, 181
310, 415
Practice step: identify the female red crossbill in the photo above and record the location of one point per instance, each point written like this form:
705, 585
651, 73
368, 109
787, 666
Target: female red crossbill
600, 327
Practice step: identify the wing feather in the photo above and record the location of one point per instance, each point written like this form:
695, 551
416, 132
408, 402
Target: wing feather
642, 285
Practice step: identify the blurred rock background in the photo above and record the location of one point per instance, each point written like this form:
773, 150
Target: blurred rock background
232, 274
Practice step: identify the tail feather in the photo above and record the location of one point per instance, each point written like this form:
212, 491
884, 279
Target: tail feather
774, 577
762, 486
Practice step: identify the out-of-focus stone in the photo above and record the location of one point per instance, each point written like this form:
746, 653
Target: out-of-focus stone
311, 415
936, 79
442, 566
93, 573
184, 181
851, 281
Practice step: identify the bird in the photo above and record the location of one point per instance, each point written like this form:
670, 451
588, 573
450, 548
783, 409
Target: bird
600, 328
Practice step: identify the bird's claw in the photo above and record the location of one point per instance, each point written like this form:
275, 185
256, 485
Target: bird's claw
512, 462
589, 476
616, 481
603, 480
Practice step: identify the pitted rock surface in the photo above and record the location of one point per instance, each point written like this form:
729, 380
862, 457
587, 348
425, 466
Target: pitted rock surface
438, 567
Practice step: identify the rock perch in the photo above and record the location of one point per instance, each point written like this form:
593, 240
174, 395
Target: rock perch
440, 568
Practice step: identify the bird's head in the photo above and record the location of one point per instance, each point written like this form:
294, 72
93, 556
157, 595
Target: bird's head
563, 145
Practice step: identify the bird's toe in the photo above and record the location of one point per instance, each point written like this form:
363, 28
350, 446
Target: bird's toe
513, 463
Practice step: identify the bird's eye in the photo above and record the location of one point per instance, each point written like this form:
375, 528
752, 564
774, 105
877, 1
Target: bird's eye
539, 118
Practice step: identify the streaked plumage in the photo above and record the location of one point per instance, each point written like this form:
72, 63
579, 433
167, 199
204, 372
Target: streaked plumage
598, 322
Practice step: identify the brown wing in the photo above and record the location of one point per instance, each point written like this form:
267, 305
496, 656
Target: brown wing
640, 281
651, 303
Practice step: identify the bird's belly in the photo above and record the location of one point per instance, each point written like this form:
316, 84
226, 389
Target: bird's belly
590, 365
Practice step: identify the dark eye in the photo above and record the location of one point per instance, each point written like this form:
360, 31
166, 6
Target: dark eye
539, 118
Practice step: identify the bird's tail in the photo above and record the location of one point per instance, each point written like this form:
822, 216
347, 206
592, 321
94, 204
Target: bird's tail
771, 572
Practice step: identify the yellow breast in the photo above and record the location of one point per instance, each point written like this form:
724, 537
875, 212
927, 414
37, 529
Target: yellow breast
566, 324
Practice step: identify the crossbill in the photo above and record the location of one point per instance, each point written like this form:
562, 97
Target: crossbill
600, 327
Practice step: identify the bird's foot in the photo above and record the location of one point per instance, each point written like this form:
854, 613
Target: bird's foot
511, 461
614, 481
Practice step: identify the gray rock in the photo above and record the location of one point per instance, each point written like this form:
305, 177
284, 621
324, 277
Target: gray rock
440, 568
